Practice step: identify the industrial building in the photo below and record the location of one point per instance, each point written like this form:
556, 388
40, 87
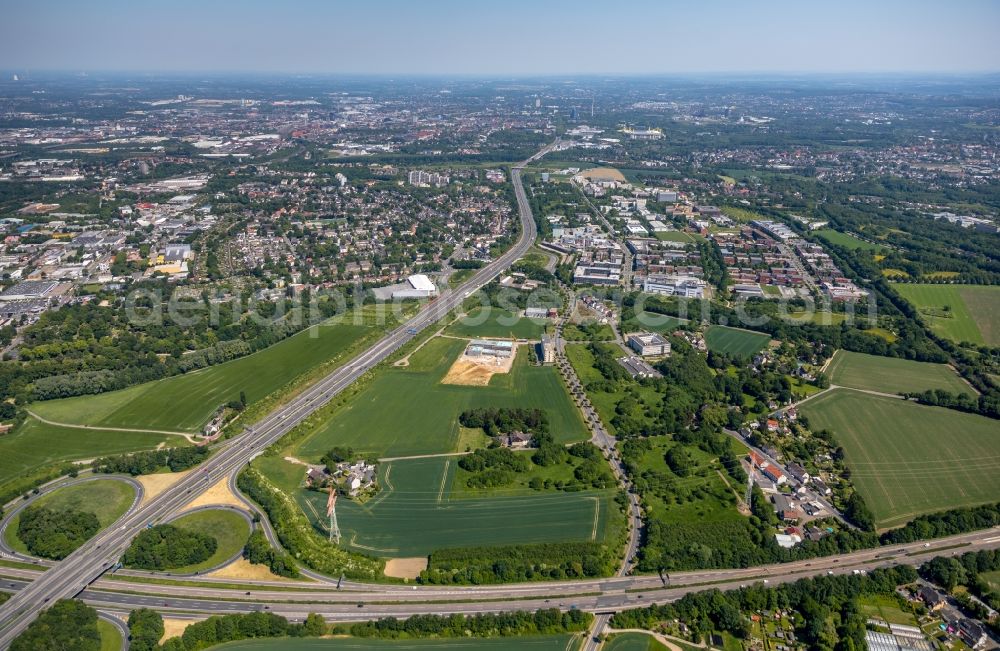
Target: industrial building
490, 348
649, 344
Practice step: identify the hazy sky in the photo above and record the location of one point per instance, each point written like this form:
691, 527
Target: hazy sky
486, 37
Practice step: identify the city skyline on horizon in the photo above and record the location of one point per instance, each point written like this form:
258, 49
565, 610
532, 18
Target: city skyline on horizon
450, 38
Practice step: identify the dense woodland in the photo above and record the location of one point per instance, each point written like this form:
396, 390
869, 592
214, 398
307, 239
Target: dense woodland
165, 547
55, 534
68, 624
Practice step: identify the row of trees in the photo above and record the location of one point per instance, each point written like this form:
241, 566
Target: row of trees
144, 463
549, 621
145, 627
509, 563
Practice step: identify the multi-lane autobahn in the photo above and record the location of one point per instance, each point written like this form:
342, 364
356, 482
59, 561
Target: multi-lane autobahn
87, 563
82, 573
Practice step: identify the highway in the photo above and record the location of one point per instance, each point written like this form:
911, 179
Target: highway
91, 560
83, 573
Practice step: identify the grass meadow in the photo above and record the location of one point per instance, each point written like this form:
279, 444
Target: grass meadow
35, 445
108, 499
908, 459
496, 322
229, 529
892, 374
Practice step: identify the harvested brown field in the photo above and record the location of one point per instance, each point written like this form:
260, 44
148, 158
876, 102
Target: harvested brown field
218, 495
153, 485
405, 568
175, 627
243, 570
603, 174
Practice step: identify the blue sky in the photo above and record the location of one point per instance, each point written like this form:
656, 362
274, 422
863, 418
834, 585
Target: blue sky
501, 37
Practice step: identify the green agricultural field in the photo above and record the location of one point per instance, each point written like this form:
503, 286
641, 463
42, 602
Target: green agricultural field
633, 642
534, 643
108, 499
496, 322
229, 529
186, 402
414, 513
35, 445
846, 240
734, 341
907, 459
407, 411
958, 312
891, 374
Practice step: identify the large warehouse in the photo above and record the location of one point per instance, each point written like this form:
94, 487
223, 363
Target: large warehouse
417, 286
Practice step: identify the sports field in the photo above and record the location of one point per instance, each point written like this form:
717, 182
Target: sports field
108, 499
908, 459
734, 341
534, 643
958, 312
414, 514
229, 529
652, 322
845, 240
496, 322
406, 410
35, 445
891, 374
186, 402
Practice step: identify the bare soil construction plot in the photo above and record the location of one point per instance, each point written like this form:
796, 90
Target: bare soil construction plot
477, 370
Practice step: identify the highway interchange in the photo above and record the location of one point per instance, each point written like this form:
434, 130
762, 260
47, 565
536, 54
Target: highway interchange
83, 573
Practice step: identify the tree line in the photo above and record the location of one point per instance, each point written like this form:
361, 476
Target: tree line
145, 463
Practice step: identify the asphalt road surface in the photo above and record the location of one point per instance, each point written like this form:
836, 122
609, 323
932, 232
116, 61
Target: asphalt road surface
89, 562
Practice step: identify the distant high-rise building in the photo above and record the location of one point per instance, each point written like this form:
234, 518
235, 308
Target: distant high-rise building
572, 113
538, 102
